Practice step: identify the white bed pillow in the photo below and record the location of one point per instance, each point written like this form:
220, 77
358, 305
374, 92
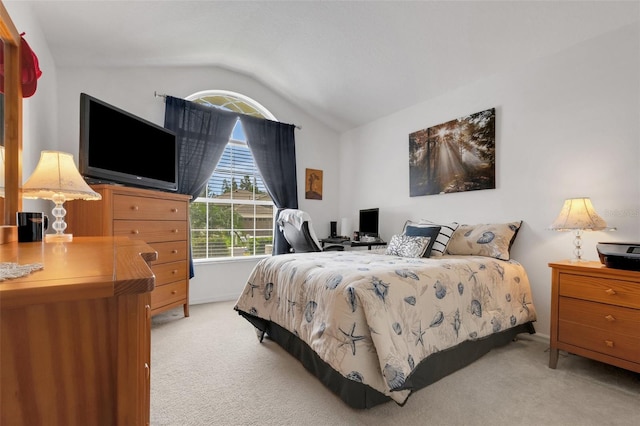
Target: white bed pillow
406, 246
446, 231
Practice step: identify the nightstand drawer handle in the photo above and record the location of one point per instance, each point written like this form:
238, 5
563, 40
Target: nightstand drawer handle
610, 292
174, 251
610, 318
135, 231
135, 208
609, 343
174, 210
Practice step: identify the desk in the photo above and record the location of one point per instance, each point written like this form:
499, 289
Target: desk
75, 336
350, 243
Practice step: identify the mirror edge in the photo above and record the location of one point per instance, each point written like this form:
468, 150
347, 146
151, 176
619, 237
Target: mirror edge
13, 118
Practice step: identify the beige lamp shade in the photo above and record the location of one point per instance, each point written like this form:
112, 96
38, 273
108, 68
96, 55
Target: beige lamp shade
1, 171
578, 214
56, 174
57, 178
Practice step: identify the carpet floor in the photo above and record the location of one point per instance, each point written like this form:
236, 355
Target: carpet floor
210, 369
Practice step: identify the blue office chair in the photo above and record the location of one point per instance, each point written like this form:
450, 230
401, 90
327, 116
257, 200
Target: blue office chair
296, 227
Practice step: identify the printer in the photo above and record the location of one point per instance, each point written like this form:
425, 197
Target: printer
620, 255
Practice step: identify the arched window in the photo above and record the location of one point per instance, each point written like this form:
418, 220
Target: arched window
233, 216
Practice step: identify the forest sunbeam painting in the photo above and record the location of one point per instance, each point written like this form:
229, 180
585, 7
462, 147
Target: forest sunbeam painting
456, 156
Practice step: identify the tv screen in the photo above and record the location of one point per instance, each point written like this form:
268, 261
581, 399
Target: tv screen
369, 222
119, 147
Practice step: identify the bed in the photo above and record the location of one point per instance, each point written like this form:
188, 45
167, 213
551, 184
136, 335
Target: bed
377, 326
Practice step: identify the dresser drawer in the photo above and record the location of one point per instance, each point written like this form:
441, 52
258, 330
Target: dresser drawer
617, 345
170, 251
170, 293
613, 319
169, 272
611, 291
143, 208
151, 231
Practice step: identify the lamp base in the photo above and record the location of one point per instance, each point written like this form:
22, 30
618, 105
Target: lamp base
58, 238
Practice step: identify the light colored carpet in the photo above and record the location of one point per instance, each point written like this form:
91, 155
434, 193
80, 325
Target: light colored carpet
210, 369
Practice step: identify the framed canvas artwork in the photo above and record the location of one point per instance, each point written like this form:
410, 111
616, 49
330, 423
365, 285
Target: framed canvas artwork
313, 184
456, 156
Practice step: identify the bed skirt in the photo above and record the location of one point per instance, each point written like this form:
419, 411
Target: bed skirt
358, 395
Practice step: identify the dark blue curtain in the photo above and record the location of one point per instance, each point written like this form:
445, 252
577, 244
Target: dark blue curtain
202, 133
272, 145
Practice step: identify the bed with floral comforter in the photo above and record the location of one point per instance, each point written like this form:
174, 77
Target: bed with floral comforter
374, 327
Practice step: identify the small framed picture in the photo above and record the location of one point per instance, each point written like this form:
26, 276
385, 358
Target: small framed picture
313, 184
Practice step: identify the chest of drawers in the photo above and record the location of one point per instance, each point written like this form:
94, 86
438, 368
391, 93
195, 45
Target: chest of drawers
595, 313
161, 219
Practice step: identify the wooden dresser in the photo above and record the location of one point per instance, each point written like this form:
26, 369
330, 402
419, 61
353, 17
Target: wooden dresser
75, 336
595, 313
159, 218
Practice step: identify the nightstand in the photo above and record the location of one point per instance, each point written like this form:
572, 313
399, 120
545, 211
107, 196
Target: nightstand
595, 313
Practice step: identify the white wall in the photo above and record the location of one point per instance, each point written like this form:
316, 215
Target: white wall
567, 126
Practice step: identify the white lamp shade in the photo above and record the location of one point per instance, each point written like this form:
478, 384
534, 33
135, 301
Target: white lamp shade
56, 173
345, 227
578, 214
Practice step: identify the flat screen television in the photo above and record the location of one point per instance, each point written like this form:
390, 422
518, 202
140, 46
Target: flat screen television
119, 147
369, 222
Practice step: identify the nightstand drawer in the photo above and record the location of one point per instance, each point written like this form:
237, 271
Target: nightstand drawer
613, 319
613, 344
147, 208
151, 231
169, 272
170, 293
611, 291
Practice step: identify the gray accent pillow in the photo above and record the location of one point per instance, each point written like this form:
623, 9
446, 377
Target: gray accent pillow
405, 246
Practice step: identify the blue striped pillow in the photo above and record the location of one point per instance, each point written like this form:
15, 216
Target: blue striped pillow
442, 240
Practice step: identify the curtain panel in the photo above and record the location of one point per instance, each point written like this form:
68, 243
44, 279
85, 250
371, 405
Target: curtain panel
272, 145
202, 133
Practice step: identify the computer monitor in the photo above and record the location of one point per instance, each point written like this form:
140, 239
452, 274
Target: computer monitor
369, 222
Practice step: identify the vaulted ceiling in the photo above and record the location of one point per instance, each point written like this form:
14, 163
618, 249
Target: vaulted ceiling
346, 62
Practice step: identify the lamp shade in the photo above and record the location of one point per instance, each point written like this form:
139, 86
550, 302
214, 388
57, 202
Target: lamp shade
56, 174
1, 171
578, 214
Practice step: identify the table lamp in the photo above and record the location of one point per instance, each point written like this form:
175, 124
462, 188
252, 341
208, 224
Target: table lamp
56, 178
578, 215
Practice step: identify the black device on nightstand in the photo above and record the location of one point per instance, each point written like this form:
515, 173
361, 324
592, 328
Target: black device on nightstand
620, 255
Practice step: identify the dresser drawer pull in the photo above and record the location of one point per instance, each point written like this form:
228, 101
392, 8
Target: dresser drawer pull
175, 231
135, 231
609, 343
174, 251
174, 210
610, 318
175, 271
610, 292
135, 208
174, 292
